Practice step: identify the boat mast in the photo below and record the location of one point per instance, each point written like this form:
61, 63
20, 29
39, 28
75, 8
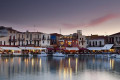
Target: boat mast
60, 45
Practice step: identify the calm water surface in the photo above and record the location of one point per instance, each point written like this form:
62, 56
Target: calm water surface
49, 68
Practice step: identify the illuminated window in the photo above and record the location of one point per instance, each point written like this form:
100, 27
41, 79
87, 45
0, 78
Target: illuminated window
76, 42
66, 41
61, 43
69, 43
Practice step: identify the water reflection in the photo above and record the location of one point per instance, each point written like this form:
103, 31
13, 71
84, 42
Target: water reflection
46, 68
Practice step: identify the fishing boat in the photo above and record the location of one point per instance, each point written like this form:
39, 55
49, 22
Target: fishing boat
76, 55
59, 54
43, 54
30, 55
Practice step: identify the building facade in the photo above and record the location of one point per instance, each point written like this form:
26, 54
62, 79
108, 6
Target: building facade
114, 39
73, 40
82, 42
11, 37
96, 41
54, 39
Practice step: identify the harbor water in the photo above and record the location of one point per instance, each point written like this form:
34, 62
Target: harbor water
59, 68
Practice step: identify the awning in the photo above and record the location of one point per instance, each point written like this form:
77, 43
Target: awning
94, 48
40, 48
32, 48
107, 47
10, 48
83, 49
72, 48
27, 48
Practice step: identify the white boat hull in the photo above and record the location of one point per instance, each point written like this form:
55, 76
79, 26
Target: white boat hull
75, 55
16, 53
59, 55
118, 56
113, 56
42, 55
30, 55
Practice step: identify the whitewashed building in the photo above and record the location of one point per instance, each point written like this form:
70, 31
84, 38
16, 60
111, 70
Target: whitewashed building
45, 40
82, 42
11, 37
8, 36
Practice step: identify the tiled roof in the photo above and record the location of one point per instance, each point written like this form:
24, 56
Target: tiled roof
95, 37
115, 34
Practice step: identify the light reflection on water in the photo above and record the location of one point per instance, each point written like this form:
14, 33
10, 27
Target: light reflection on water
49, 68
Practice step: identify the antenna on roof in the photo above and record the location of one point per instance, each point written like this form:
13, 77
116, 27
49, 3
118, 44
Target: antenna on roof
105, 33
60, 30
34, 28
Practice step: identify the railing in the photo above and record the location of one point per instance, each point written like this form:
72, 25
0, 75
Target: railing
37, 39
12, 40
21, 39
48, 39
43, 38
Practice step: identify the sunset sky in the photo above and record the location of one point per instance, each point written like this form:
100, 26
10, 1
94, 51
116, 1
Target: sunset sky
49, 16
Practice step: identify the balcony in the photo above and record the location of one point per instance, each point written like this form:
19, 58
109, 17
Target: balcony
37, 39
21, 39
12, 40
48, 39
43, 38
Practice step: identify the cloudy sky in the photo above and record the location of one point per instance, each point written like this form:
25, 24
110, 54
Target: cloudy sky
91, 16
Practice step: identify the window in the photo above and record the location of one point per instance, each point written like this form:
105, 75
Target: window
0, 42
48, 42
48, 37
34, 42
116, 38
14, 43
38, 36
90, 43
27, 35
19, 42
96, 43
26, 42
38, 43
10, 31
19, 35
13, 37
30, 36
43, 42
100, 43
22, 43
4, 42
30, 42
82, 39
22, 35
43, 37
93, 43
82, 42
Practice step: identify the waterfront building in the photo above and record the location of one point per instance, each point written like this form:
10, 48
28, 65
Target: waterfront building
82, 42
68, 41
114, 39
99, 44
8, 36
11, 37
73, 40
96, 41
29, 38
54, 39
45, 40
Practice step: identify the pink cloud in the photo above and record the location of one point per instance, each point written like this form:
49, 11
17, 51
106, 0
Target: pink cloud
93, 22
103, 19
66, 25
